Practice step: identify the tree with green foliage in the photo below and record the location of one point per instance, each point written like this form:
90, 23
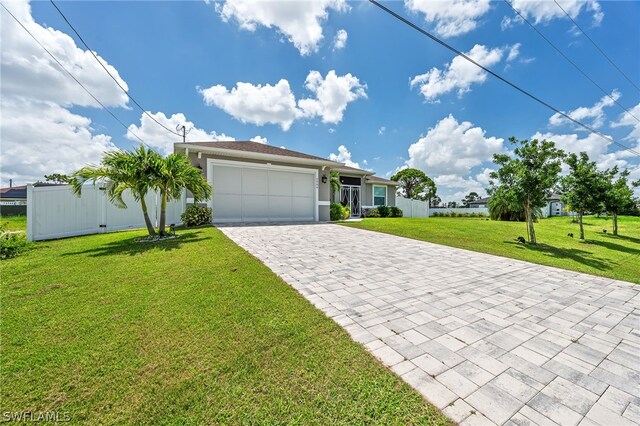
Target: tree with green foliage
415, 184
528, 178
172, 175
435, 201
57, 178
584, 188
334, 181
469, 198
618, 196
121, 171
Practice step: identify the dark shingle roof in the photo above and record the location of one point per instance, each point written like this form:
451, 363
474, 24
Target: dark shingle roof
248, 146
14, 192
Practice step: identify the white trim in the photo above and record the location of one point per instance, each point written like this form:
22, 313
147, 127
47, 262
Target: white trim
243, 164
373, 198
324, 203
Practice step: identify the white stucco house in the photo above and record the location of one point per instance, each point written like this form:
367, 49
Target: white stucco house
254, 182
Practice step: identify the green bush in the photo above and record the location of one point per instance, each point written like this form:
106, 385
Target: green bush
12, 243
346, 212
335, 212
196, 215
383, 211
371, 212
395, 212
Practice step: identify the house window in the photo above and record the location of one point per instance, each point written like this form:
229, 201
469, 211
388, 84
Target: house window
379, 195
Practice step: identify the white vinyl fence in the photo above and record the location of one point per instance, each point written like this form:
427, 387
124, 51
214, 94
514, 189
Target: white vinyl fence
56, 212
412, 208
483, 210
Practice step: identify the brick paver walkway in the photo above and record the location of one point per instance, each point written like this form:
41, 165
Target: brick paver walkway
488, 340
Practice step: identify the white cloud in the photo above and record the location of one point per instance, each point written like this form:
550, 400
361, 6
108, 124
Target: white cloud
340, 41
39, 134
459, 75
267, 104
628, 120
381, 130
452, 148
343, 156
514, 52
484, 176
594, 113
40, 138
451, 18
332, 95
299, 21
260, 139
545, 11
332, 130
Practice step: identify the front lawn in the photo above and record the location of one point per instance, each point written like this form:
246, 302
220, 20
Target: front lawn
14, 223
600, 253
187, 331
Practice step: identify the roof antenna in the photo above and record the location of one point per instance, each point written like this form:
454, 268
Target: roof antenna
183, 129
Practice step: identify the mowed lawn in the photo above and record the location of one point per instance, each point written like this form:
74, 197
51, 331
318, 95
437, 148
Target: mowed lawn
187, 331
599, 254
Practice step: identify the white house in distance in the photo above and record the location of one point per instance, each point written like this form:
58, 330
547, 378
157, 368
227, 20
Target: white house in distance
254, 182
554, 207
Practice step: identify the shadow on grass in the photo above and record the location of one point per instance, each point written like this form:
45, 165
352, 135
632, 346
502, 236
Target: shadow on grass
623, 237
616, 247
581, 256
132, 247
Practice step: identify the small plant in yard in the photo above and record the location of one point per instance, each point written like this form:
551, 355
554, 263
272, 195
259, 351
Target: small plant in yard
395, 212
346, 212
371, 212
384, 211
335, 212
196, 215
12, 243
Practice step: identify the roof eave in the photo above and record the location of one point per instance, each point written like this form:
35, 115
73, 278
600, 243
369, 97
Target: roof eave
257, 155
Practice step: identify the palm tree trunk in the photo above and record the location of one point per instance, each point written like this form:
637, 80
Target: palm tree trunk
615, 223
163, 214
581, 227
147, 221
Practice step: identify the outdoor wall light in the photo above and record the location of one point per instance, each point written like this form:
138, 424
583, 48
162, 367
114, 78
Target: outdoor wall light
324, 178
199, 166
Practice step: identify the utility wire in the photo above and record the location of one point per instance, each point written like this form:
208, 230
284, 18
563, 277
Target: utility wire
111, 75
72, 76
569, 60
499, 77
596, 46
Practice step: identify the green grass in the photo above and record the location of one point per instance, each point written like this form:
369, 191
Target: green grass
186, 331
599, 254
14, 223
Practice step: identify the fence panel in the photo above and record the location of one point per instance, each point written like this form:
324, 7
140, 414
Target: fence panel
56, 212
412, 208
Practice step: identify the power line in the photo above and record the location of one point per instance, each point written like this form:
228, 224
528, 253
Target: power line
111, 75
499, 77
569, 60
72, 76
596, 46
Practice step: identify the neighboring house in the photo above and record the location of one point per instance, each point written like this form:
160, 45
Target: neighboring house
555, 206
480, 203
13, 200
254, 182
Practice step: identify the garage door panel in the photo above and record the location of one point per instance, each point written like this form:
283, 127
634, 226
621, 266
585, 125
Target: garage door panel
280, 208
227, 206
302, 208
254, 182
227, 180
280, 183
254, 208
303, 185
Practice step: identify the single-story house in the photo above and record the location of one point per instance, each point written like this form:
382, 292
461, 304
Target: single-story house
254, 182
13, 200
480, 203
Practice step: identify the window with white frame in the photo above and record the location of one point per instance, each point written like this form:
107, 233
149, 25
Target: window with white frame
379, 196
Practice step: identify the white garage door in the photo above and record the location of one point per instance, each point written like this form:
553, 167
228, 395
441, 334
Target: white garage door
261, 193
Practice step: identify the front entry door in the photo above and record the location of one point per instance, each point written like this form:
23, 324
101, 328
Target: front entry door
350, 197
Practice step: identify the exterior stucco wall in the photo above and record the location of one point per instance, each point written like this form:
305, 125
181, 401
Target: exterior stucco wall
323, 188
367, 196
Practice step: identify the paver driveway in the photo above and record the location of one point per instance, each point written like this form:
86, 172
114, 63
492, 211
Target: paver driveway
487, 339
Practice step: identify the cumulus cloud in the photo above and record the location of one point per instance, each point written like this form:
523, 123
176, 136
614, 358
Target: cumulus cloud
340, 41
545, 11
459, 75
300, 22
450, 18
452, 148
628, 120
343, 156
39, 134
594, 113
267, 104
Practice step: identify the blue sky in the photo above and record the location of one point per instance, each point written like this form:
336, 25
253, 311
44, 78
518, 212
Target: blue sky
330, 78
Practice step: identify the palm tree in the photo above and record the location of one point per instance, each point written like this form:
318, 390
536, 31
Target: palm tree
334, 182
122, 170
173, 174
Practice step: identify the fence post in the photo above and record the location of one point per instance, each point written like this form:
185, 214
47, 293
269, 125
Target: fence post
30, 202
